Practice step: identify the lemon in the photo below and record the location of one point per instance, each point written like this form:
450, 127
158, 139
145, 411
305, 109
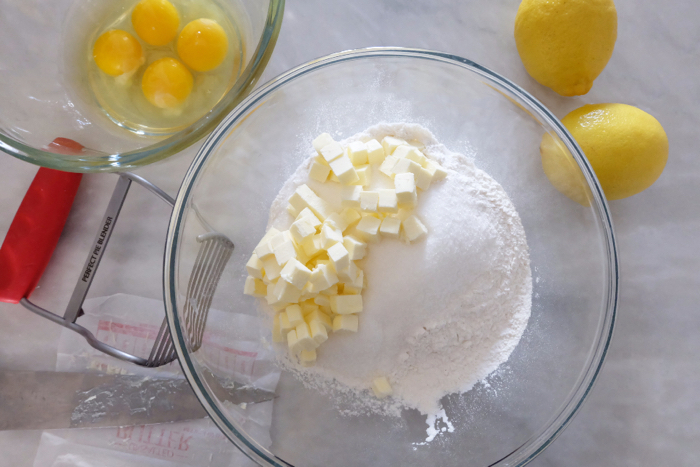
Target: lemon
626, 147
565, 44
155, 21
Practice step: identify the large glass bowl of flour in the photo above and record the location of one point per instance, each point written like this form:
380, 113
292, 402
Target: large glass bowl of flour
530, 383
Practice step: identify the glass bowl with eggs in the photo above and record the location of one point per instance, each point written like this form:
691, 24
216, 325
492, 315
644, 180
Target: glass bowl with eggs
404, 283
101, 86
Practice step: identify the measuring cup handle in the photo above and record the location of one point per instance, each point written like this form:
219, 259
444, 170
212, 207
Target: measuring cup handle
35, 231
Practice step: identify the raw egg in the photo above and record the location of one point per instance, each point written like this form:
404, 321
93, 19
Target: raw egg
167, 83
202, 44
117, 52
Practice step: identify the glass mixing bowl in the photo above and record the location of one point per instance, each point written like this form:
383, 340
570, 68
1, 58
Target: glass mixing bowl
45, 95
471, 110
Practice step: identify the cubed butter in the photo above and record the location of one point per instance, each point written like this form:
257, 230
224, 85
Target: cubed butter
295, 273
307, 358
312, 246
321, 317
304, 339
346, 304
292, 210
349, 273
360, 281
305, 197
350, 196
322, 300
293, 342
263, 244
405, 186
423, 179
436, 170
390, 228
307, 214
387, 201
322, 278
414, 229
390, 143
285, 251
375, 152
369, 201
255, 287
321, 141
411, 153
272, 268
364, 175
301, 229
388, 165
255, 267
330, 236
343, 169
351, 290
368, 228
319, 171
337, 221
332, 151
356, 248
277, 335
319, 333
332, 290
339, 256
294, 315
350, 216
357, 150
404, 166
381, 387
285, 325
285, 292
345, 323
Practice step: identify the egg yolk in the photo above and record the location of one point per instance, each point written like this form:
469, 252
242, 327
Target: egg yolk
117, 52
155, 21
202, 44
166, 83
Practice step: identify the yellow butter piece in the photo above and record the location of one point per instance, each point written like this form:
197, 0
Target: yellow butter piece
381, 387
295, 273
405, 187
387, 201
349, 274
255, 287
292, 210
285, 292
301, 229
307, 358
390, 143
330, 235
346, 304
277, 335
350, 216
368, 228
294, 315
356, 248
349, 289
350, 196
254, 267
345, 323
357, 151
305, 197
364, 175
339, 256
272, 268
343, 169
322, 300
320, 316
388, 165
369, 201
322, 277
321, 141
435, 170
304, 339
391, 227
319, 170
331, 151
414, 229
375, 152
319, 333
293, 342
332, 290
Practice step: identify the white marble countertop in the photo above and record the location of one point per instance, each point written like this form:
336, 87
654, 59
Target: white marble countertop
645, 408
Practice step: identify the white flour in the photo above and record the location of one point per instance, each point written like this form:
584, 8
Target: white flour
439, 315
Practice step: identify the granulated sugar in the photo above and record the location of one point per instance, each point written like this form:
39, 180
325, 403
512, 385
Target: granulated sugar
439, 315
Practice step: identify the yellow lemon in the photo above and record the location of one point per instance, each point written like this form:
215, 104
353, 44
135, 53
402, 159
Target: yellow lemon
117, 52
166, 83
202, 44
626, 147
155, 21
565, 44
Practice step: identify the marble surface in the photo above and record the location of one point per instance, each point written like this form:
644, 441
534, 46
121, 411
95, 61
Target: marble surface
645, 408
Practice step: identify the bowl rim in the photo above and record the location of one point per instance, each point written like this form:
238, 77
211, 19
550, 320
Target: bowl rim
96, 161
534, 445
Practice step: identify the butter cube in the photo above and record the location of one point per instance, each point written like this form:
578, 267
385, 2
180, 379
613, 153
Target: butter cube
417, 144
322, 300
294, 315
368, 228
285, 292
350, 216
346, 304
272, 268
312, 246
405, 185
263, 244
349, 273
292, 210
255, 287
285, 325
405, 165
330, 236
307, 358
292, 342
356, 248
333, 177
308, 306
411, 153
337, 221
304, 339
350, 196
360, 281
321, 279
339, 256
301, 229
391, 227
285, 251
381, 387
319, 171
332, 151
332, 290
320, 317
319, 333
414, 229
279, 306
369, 201
375, 152
295, 273
307, 214
387, 201
254, 267
390, 144
321, 141
402, 150
351, 290
436, 170
277, 335
388, 165
345, 323
364, 175
343, 169
357, 150
423, 179
304, 197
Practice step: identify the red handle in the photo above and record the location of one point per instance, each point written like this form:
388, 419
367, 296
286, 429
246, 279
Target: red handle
34, 232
